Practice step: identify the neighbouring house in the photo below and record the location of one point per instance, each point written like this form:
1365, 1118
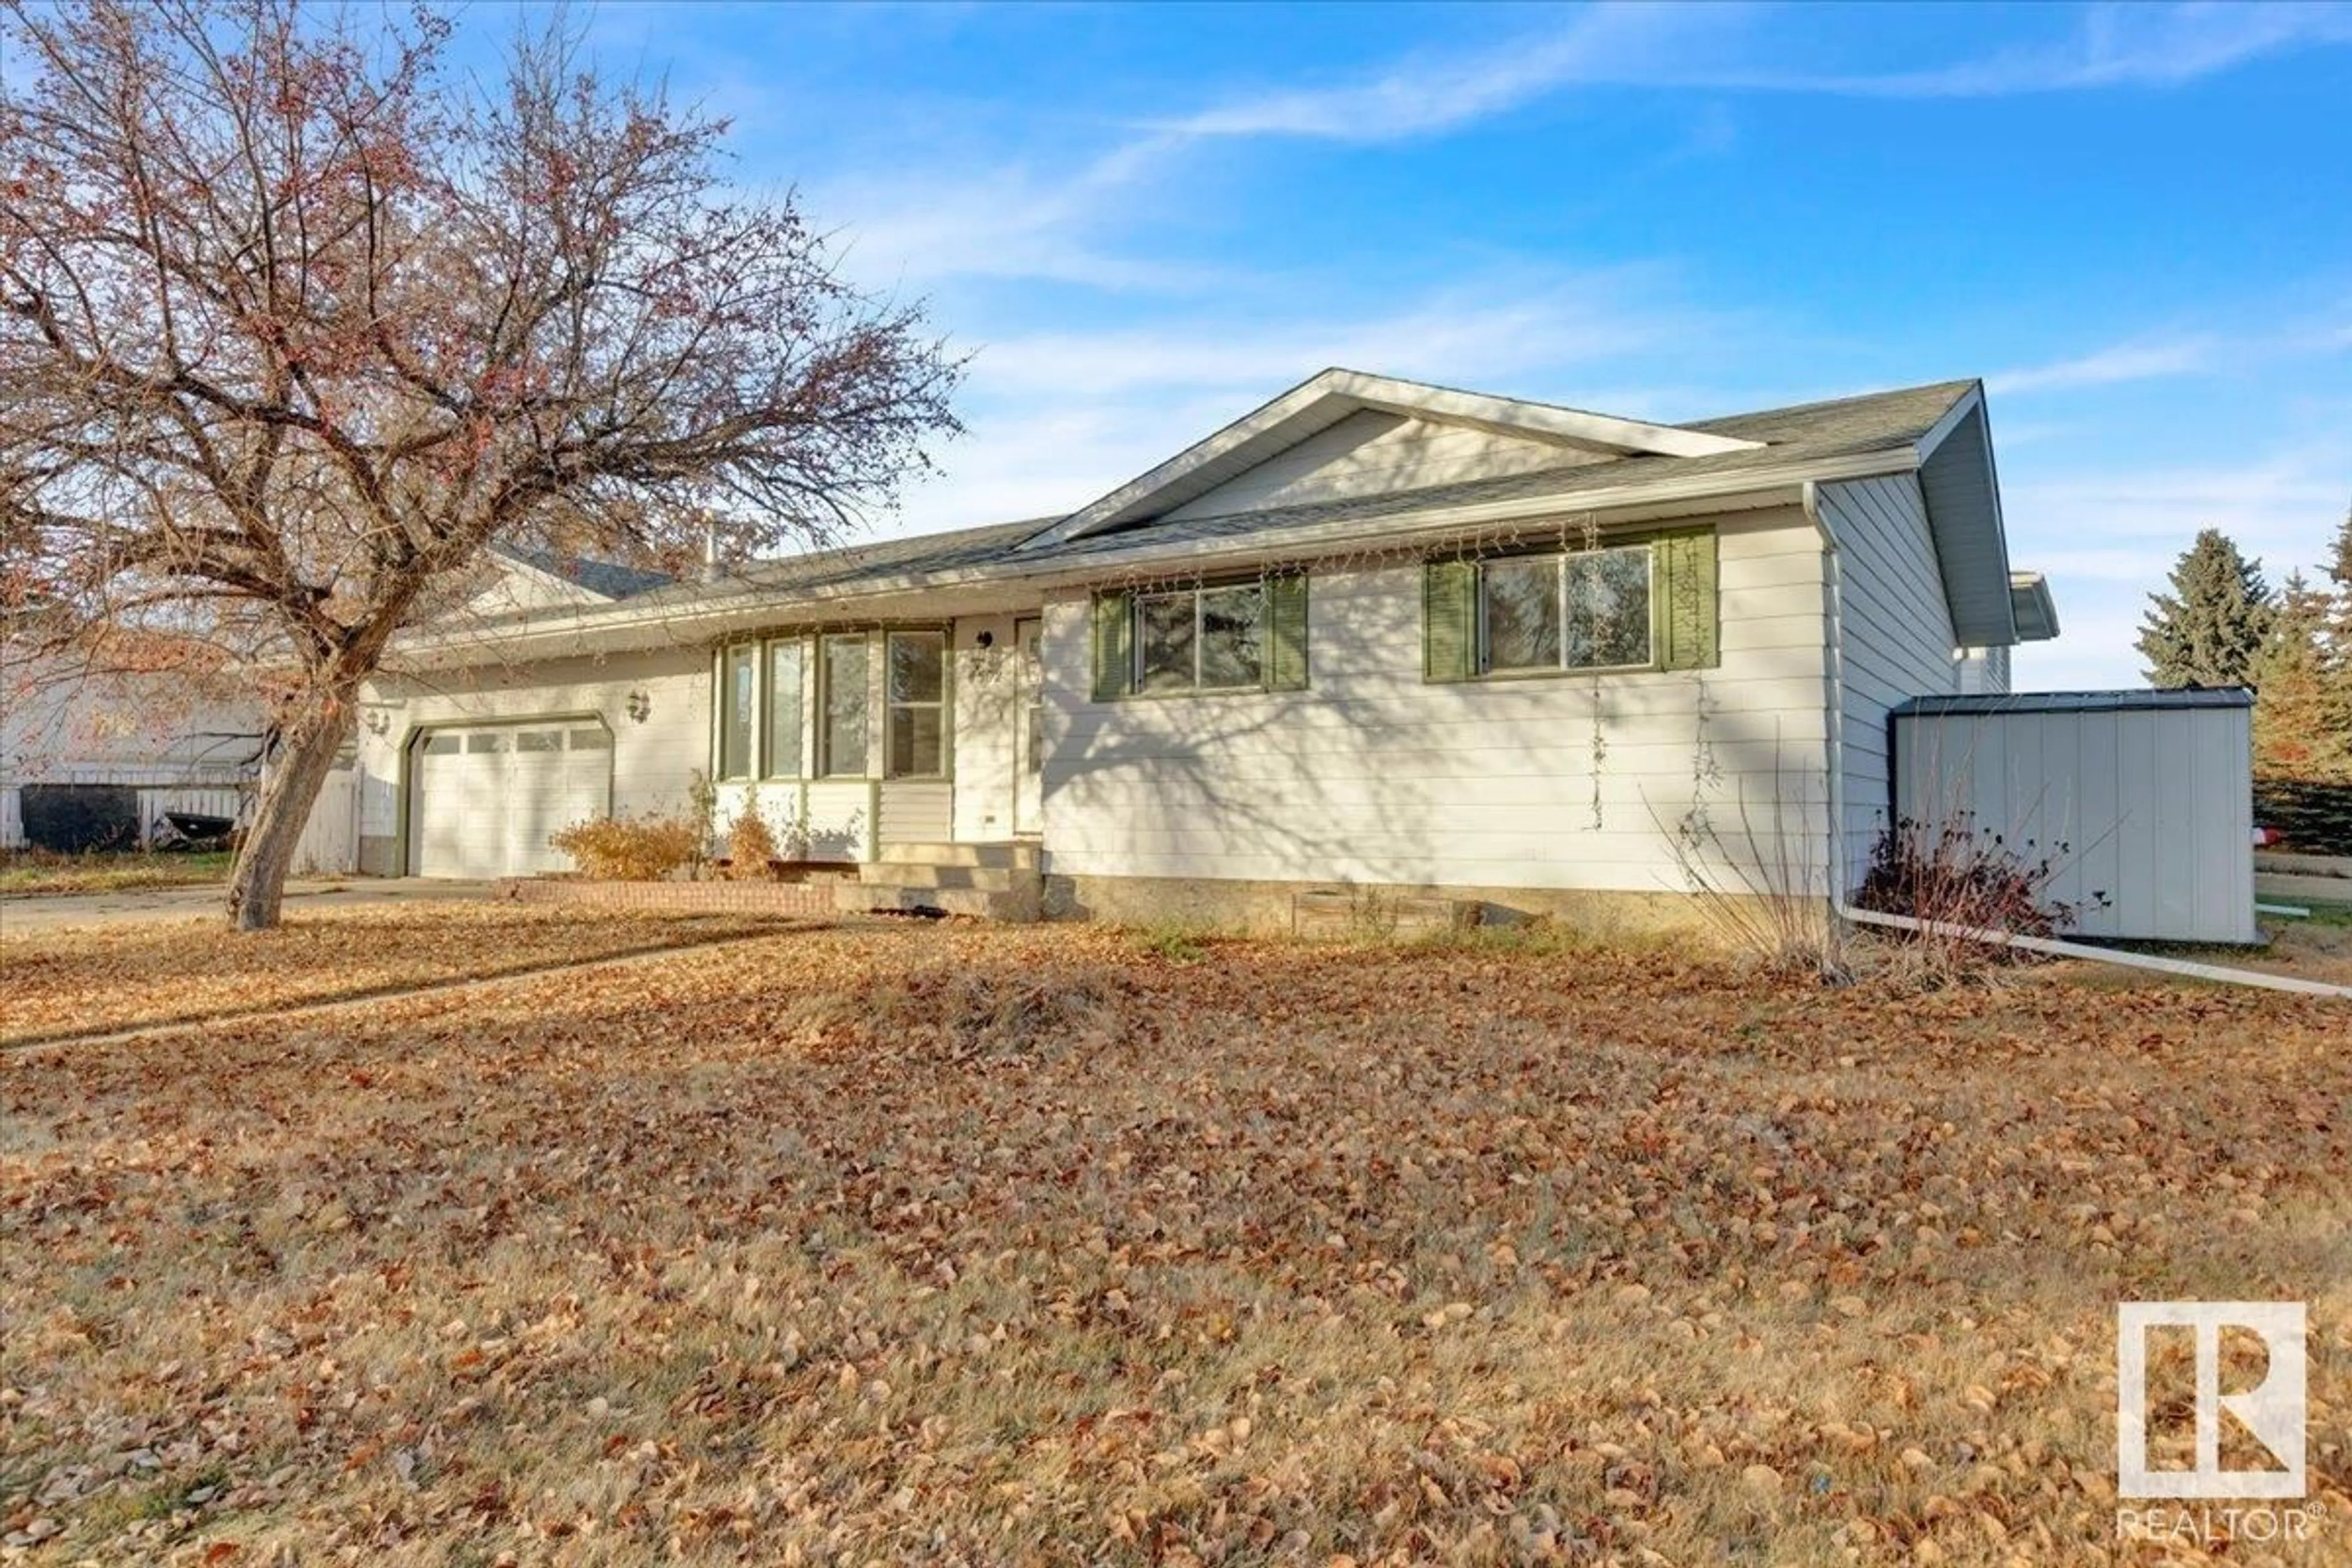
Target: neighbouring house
1376, 636
97, 746
94, 749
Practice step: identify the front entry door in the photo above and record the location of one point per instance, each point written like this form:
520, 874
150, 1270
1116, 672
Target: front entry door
1028, 727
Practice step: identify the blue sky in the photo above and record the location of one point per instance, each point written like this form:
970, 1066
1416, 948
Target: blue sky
2135, 222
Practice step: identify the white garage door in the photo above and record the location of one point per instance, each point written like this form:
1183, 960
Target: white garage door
486, 799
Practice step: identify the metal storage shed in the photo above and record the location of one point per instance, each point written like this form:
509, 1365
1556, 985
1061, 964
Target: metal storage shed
2144, 800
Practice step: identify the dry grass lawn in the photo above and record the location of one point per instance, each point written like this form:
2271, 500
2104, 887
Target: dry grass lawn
43, 872
940, 1245
95, 979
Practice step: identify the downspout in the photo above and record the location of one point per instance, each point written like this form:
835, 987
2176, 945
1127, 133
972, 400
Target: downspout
1834, 714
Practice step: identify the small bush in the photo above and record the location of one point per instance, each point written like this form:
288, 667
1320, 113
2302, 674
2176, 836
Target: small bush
1171, 942
749, 845
638, 849
1953, 874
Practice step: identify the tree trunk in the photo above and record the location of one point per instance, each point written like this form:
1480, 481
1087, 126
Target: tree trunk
307, 744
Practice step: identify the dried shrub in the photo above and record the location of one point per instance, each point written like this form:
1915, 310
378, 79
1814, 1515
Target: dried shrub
1952, 873
749, 845
630, 850
1760, 891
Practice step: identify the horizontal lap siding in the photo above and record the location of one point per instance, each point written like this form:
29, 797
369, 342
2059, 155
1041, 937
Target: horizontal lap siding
816, 819
1898, 639
841, 819
1373, 774
916, 811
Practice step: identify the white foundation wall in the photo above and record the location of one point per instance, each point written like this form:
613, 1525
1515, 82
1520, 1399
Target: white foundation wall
1373, 775
654, 758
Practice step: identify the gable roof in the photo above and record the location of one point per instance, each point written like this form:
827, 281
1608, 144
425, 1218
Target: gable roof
604, 579
1325, 399
1886, 425
850, 566
1773, 451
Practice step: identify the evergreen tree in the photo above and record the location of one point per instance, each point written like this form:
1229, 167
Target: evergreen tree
2335, 703
2339, 572
2208, 629
2298, 732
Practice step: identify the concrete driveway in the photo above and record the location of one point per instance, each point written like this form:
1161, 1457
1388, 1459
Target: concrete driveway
57, 911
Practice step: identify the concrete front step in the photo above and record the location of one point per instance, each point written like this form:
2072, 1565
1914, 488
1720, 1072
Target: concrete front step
868, 898
923, 874
1004, 855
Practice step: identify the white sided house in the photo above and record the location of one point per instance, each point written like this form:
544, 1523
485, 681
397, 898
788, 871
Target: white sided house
1374, 638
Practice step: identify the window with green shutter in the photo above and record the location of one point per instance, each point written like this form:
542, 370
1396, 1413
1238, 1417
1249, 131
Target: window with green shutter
1690, 603
1246, 636
1645, 603
1114, 624
1286, 632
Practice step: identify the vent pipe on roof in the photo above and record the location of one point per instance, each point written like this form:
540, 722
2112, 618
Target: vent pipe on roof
711, 570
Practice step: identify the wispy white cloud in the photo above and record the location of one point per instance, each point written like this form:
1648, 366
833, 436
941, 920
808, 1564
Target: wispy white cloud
1009, 220
1495, 327
1427, 93
2108, 366
1070, 216
2310, 335
1684, 47
2118, 45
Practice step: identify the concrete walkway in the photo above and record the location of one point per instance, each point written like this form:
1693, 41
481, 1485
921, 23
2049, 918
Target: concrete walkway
27, 913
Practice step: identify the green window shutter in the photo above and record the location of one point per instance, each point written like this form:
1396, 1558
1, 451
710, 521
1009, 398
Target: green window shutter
1285, 642
1449, 620
1114, 633
1688, 612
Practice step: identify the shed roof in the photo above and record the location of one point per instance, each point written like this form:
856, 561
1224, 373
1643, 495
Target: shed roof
2075, 701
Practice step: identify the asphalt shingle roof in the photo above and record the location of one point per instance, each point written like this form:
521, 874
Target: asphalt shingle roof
609, 578
1845, 427
1842, 427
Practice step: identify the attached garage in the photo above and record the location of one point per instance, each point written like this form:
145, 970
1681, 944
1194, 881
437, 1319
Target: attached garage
484, 798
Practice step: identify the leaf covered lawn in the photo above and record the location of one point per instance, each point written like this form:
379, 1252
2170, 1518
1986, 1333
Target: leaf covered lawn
38, 871
94, 979
997, 1245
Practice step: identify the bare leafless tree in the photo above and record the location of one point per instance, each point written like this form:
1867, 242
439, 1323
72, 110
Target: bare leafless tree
293, 326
